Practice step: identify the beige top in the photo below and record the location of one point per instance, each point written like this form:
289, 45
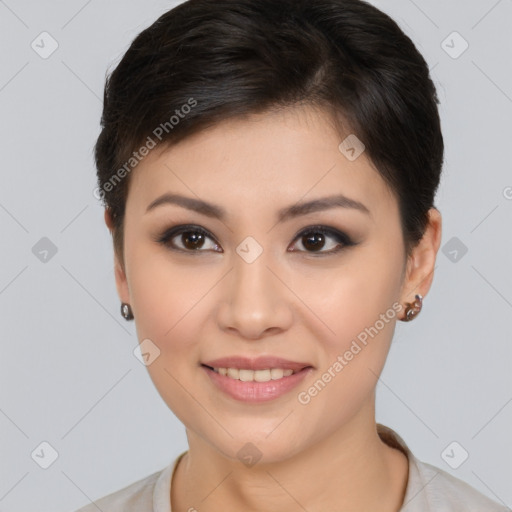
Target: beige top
429, 489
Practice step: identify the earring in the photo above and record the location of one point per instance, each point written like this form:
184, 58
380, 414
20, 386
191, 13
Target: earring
126, 311
413, 309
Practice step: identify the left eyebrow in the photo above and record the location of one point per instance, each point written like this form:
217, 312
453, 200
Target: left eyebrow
324, 203
289, 212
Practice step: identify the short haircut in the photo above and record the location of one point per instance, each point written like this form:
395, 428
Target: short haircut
205, 61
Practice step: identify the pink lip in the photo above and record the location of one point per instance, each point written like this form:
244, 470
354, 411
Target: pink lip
259, 363
256, 391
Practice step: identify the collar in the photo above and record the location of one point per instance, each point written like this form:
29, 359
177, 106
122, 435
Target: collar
162, 489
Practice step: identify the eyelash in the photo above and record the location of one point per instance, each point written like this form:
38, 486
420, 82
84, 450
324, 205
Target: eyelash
342, 238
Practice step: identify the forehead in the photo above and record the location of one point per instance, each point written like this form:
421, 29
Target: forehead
263, 161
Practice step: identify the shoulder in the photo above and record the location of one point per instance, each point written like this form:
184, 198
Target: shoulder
445, 493
430, 488
136, 497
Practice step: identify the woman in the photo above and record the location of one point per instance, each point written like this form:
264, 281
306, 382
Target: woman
268, 170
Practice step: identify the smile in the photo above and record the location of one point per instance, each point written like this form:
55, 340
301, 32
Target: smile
247, 375
253, 386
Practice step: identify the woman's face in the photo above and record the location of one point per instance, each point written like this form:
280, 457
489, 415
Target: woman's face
252, 285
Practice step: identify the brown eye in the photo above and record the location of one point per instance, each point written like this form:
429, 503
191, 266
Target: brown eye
188, 239
192, 240
314, 239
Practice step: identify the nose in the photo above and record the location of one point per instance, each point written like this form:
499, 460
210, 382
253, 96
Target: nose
255, 300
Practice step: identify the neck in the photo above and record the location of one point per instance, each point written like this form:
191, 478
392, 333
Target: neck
351, 469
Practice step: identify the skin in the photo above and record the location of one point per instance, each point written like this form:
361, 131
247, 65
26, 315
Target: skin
297, 305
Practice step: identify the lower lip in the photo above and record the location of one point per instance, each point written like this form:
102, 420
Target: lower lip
256, 391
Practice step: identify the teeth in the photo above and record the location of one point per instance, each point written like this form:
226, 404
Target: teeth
233, 373
254, 375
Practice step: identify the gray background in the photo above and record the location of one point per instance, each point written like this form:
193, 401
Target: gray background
68, 374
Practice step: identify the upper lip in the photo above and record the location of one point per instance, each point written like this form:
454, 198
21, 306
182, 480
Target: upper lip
258, 363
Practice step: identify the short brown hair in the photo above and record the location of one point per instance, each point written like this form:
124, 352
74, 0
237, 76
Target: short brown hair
231, 58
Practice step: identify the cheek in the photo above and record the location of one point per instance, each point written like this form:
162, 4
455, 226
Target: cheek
169, 312
164, 294
361, 311
355, 295
167, 305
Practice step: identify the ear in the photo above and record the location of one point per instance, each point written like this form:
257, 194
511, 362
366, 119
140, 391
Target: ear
421, 262
119, 269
